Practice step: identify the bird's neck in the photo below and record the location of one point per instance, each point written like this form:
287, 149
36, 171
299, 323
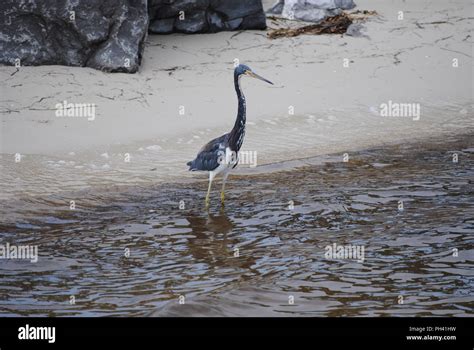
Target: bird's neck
237, 133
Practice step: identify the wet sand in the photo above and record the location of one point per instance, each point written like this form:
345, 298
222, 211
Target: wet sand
188, 252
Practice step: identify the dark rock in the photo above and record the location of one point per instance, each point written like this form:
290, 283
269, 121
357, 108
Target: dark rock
162, 26
233, 9
106, 35
208, 15
167, 9
215, 21
193, 22
233, 24
109, 34
255, 21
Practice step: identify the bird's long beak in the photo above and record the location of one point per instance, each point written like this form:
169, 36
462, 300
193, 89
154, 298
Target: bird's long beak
252, 74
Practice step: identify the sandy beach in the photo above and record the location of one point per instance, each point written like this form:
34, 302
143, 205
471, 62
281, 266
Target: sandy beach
183, 93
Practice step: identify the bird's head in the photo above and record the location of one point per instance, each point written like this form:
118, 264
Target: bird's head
242, 69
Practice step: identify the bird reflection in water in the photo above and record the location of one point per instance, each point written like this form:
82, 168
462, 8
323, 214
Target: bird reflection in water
214, 243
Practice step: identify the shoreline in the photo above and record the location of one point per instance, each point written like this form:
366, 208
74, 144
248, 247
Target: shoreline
198, 182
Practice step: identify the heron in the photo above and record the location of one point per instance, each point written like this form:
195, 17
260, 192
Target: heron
220, 155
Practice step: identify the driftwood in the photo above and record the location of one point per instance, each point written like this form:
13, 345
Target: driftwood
332, 25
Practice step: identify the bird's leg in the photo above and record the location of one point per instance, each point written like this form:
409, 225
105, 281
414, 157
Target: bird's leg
222, 196
211, 177
207, 195
223, 188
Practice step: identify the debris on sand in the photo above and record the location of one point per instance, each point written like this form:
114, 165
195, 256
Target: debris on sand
339, 24
332, 25
362, 15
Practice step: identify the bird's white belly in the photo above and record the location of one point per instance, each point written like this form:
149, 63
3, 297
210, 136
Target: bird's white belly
227, 162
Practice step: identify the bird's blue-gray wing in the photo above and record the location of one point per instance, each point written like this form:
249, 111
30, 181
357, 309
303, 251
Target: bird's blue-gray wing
208, 156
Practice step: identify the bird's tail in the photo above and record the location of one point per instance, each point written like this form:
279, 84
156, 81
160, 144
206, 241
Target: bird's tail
190, 165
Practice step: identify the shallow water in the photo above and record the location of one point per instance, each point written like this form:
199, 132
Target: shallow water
173, 251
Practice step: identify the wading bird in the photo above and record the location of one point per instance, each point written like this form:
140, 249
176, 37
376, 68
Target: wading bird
220, 155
